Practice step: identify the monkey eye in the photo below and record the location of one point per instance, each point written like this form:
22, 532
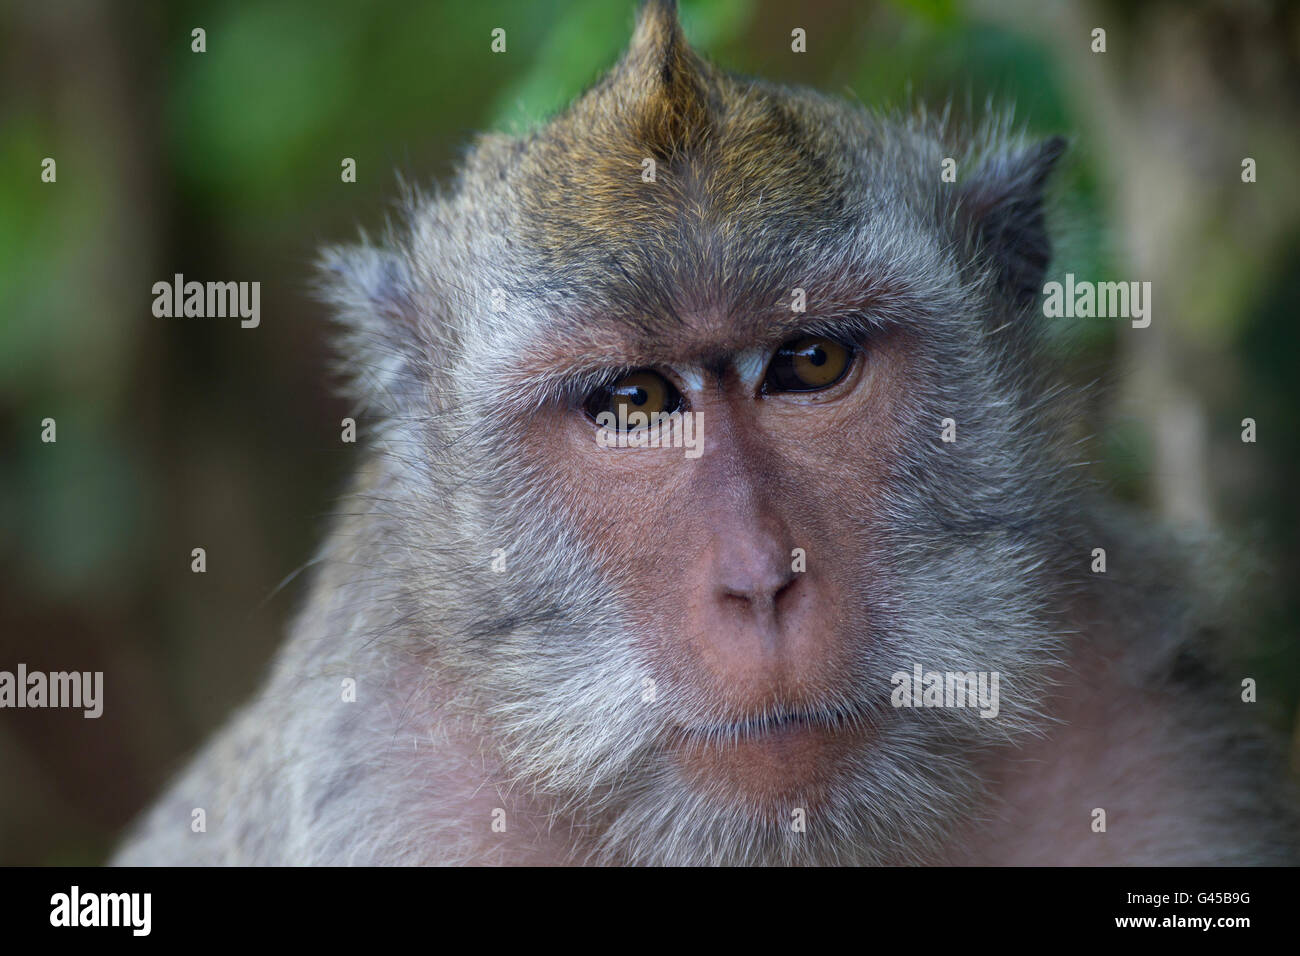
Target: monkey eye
641, 391
806, 364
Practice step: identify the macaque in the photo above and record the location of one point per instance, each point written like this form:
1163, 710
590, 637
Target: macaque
543, 632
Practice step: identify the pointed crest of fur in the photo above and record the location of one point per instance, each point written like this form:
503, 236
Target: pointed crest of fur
662, 81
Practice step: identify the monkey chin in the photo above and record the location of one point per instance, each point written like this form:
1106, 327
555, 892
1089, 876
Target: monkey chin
772, 765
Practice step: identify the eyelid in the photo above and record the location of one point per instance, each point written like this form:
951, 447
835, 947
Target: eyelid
577, 390
848, 341
667, 374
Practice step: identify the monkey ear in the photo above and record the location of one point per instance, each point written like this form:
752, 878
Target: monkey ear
369, 289
1001, 206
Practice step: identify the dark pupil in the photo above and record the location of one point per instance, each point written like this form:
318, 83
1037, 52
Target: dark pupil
637, 396
817, 355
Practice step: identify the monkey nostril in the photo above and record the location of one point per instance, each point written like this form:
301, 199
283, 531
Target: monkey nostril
785, 589
761, 592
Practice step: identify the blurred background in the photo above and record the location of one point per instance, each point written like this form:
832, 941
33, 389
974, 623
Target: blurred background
225, 165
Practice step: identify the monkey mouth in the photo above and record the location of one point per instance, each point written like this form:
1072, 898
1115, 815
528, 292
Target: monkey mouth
763, 761
779, 723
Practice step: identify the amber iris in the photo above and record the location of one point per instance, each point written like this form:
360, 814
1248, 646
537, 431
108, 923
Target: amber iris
806, 364
640, 391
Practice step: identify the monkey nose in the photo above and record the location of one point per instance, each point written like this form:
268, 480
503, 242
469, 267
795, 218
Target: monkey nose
757, 578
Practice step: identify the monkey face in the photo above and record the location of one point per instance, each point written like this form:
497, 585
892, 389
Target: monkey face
741, 556
695, 632
763, 577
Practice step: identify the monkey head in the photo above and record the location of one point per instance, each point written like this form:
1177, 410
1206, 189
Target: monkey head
683, 646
